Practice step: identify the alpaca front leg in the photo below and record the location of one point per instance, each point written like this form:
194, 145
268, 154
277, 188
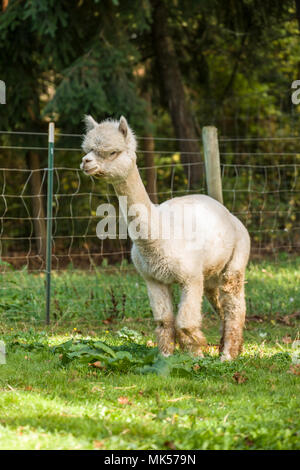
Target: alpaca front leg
161, 304
188, 321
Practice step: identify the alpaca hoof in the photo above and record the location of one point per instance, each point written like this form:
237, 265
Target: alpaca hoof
225, 357
166, 353
166, 350
191, 340
165, 341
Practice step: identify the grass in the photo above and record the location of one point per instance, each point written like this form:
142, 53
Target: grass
251, 403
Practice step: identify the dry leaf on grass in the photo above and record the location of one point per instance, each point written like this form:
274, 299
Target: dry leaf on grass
108, 320
295, 369
170, 445
256, 318
11, 388
96, 389
287, 319
125, 388
98, 444
180, 398
150, 344
124, 401
97, 364
125, 431
249, 442
287, 339
240, 378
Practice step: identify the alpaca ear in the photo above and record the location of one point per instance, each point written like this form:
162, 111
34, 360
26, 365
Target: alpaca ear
123, 126
90, 123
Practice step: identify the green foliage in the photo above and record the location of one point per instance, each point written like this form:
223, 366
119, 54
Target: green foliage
128, 334
121, 358
89, 55
98, 83
134, 358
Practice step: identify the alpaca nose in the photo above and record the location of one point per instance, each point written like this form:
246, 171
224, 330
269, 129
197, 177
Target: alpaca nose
87, 159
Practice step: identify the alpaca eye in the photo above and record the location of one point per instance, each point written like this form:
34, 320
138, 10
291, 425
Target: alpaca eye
114, 154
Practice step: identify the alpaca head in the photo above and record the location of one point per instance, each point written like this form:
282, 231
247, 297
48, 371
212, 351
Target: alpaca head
110, 149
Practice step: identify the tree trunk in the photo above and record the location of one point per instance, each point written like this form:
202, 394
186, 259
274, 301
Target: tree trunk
38, 210
172, 85
148, 146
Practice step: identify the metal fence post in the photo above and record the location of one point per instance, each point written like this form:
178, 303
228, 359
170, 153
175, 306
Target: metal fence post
49, 218
212, 162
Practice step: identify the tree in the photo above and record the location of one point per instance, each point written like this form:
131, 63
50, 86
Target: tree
173, 88
148, 146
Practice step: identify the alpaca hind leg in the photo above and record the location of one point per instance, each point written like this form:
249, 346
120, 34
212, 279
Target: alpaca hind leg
161, 304
232, 300
188, 321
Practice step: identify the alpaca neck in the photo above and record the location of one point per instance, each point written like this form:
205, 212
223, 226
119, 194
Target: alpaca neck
134, 191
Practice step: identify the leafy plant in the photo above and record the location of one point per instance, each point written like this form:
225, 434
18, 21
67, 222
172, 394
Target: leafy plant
128, 334
133, 357
118, 358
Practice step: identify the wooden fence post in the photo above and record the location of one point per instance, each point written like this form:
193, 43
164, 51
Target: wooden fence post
212, 162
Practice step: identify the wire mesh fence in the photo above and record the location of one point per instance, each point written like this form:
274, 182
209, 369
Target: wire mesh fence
260, 186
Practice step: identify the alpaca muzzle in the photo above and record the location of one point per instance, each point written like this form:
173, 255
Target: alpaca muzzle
90, 166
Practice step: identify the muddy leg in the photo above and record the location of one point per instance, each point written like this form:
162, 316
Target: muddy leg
188, 321
161, 304
232, 300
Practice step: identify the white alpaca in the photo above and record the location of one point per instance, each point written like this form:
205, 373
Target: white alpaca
211, 261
